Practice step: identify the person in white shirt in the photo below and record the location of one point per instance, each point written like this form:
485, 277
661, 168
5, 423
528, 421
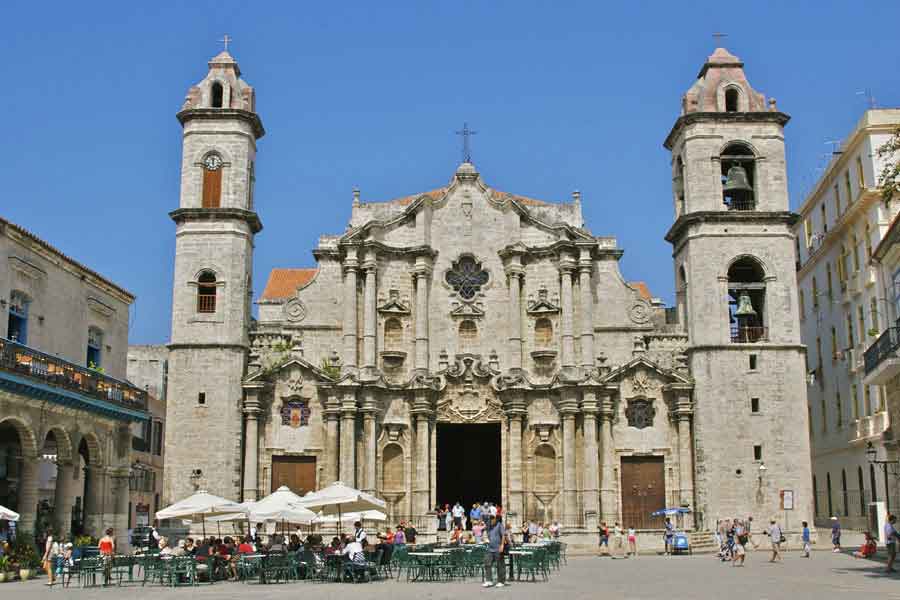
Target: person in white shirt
359, 534
493, 510
458, 512
776, 537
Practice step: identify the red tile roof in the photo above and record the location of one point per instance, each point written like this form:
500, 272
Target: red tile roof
641, 288
283, 283
406, 200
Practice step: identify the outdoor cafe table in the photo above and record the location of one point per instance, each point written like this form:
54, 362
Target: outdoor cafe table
514, 565
427, 562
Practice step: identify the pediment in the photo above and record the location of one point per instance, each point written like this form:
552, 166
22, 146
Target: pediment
642, 364
394, 305
542, 305
467, 310
287, 369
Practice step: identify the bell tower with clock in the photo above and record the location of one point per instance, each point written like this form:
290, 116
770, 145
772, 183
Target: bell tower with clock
215, 228
736, 291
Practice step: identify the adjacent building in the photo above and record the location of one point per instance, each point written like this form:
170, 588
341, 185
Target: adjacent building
65, 406
842, 311
467, 343
148, 369
882, 361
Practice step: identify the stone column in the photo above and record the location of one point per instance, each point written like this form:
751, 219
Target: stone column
590, 495
332, 440
609, 503
369, 313
684, 412
62, 498
251, 444
93, 500
370, 462
566, 269
567, 408
421, 486
348, 439
121, 495
516, 493
515, 273
585, 268
422, 275
349, 325
28, 494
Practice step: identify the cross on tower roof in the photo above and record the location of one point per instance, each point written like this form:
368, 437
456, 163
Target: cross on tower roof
225, 41
466, 133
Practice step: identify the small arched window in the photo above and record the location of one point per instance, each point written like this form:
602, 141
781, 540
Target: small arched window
738, 176
679, 185
468, 335
862, 491
217, 94
872, 485
543, 333
746, 302
393, 334
828, 491
17, 324
732, 100
206, 292
815, 497
212, 180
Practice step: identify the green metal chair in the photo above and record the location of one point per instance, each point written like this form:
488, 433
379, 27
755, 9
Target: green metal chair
276, 568
88, 569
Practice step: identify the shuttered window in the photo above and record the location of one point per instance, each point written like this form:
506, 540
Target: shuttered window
212, 188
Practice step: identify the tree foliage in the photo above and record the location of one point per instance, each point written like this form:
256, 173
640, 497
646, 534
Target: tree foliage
889, 178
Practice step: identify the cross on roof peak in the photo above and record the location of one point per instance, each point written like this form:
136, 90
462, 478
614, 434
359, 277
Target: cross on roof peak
466, 134
225, 40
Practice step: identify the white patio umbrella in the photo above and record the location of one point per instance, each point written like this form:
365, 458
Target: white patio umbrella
366, 515
200, 505
8, 515
281, 505
339, 498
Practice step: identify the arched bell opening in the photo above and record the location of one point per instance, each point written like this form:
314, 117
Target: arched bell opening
746, 301
738, 177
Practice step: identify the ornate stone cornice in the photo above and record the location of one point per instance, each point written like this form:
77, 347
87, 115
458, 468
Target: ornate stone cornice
223, 114
678, 228
181, 215
776, 117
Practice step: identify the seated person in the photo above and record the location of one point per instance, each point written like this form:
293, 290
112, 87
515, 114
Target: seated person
868, 548
355, 552
457, 535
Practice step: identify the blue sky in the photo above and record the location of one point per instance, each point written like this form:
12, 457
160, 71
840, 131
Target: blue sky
565, 95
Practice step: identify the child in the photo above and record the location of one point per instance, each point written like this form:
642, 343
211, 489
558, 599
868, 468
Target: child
632, 542
68, 564
867, 549
805, 538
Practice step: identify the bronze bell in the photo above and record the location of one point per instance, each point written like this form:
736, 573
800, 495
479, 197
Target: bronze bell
736, 180
745, 307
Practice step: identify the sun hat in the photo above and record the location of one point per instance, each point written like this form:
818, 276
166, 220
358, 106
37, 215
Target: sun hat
834, 518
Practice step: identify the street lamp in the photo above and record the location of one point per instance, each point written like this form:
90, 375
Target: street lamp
871, 454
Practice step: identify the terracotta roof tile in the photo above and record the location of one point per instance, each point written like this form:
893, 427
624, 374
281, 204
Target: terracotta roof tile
407, 200
283, 283
497, 195
641, 288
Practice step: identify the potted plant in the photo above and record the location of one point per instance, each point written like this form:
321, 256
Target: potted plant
25, 553
5, 575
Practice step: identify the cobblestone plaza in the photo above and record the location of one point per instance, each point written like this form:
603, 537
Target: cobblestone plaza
823, 577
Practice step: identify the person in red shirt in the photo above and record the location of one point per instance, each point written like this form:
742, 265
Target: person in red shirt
868, 548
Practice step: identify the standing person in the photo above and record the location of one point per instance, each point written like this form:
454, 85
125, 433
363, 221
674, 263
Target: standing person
474, 514
107, 547
524, 532
51, 550
805, 537
494, 557
835, 534
617, 541
750, 533
776, 538
891, 537
604, 537
740, 543
554, 530
359, 534
458, 512
669, 535
399, 537
632, 542
409, 531
448, 517
440, 515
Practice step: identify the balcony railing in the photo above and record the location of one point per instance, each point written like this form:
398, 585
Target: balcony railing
742, 204
885, 346
206, 303
749, 335
52, 370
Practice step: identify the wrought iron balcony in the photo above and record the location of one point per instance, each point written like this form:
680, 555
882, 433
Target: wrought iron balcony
749, 335
54, 371
742, 204
885, 347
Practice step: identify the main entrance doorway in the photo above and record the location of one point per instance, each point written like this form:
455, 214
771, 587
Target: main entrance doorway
468, 464
643, 491
296, 472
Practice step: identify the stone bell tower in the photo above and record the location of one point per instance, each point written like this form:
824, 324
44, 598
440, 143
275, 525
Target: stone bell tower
215, 226
737, 299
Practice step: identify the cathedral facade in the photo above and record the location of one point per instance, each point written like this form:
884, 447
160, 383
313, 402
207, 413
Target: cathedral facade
469, 344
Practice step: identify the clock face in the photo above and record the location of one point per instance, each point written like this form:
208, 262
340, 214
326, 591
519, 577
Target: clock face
212, 162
